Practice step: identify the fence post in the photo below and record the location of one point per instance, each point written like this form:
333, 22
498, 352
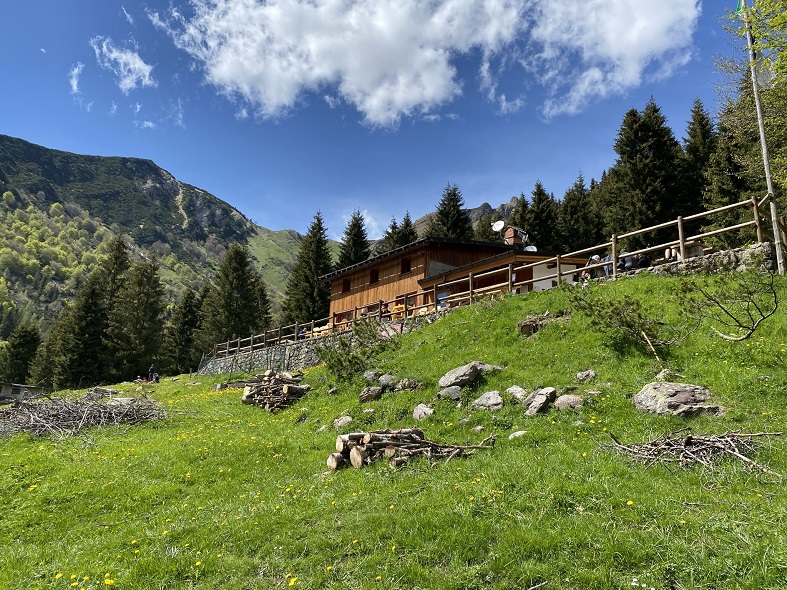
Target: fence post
434, 296
758, 224
278, 339
227, 349
470, 301
558, 270
511, 277
614, 256
681, 239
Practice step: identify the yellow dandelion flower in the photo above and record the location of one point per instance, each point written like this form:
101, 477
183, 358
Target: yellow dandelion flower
74, 584
109, 582
393, 548
58, 575
198, 563
328, 568
630, 502
391, 507
133, 541
378, 578
292, 581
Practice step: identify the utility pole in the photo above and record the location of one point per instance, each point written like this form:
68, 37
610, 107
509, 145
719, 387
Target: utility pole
777, 242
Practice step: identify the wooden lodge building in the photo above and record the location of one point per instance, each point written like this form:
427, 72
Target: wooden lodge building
440, 272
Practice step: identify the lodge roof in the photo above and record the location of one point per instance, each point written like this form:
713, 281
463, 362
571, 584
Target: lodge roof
504, 248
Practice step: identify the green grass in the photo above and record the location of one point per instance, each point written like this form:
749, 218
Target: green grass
223, 495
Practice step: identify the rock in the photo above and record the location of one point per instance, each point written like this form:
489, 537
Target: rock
538, 401
341, 422
372, 376
120, 401
332, 391
529, 326
99, 392
568, 402
491, 400
517, 434
370, 393
422, 411
387, 381
588, 375
677, 399
466, 374
369, 411
478, 428
192, 383
452, 393
219, 386
407, 385
518, 393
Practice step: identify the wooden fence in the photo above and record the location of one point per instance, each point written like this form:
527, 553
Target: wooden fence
504, 280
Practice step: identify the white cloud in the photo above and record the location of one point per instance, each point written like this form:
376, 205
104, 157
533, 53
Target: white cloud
176, 113
73, 77
113, 109
145, 124
129, 68
129, 18
43, 50
399, 58
136, 107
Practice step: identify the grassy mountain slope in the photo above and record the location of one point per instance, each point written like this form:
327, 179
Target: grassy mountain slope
93, 198
226, 495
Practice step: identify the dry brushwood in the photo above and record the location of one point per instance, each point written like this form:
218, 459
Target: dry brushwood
64, 417
397, 446
686, 448
273, 390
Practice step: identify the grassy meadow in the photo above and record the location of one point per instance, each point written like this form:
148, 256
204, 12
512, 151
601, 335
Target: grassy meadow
224, 495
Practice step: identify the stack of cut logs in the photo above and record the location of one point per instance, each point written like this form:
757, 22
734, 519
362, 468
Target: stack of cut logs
273, 390
398, 446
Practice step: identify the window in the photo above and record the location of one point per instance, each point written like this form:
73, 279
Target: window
405, 266
374, 276
345, 285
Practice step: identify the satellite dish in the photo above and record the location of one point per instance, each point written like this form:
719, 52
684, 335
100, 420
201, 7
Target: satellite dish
498, 225
530, 249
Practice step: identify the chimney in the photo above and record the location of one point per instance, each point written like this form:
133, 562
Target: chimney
512, 236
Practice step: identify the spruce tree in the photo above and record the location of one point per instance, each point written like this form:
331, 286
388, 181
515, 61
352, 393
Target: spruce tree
237, 306
399, 235
484, 231
451, 220
136, 327
698, 146
578, 226
48, 366
541, 219
390, 240
518, 216
407, 232
181, 353
355, 242
21, 349
308, 297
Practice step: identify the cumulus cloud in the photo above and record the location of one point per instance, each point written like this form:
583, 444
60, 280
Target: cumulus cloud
73, 77
398, 58
128, 67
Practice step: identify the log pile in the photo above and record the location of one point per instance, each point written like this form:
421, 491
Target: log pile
273, 390
397, 446
62, 417
686, 449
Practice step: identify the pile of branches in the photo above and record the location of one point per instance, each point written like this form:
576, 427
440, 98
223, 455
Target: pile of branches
687, 449
273, 390
397, 446
60, 416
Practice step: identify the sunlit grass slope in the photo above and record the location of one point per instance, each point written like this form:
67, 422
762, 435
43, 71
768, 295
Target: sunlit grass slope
223, 495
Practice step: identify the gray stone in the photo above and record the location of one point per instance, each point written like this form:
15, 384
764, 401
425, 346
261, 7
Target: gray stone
387, 381
372, 376
518, 393
219, 386
121, 401
422, 411
407, 385
453, 393
588, 375
491, 400
517, 434
370, 393
568, 402
539, 401
341, 422
478, 428
466, 374
677, 399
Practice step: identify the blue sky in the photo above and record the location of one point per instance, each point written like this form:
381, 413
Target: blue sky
285, 107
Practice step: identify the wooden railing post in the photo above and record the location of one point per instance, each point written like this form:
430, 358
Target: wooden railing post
681, 239
295, 333
251, 344
511, 277
227, 348
757, 222
470, 301
434, 296
558, 270
614, 241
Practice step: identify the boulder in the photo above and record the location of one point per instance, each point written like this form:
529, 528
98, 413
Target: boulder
371, 376
422, 411
466, 374
568, 402
491, 400
387, 381
452, 393
478, 428
517, 392
370, 393
539, 401
517, 434
406, 384
677, 399
341, 422
588, 375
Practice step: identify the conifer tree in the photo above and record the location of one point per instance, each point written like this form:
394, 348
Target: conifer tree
115, 266
451, 219
355, 242
46, 368
519, 214
483, 229
541, 219
20, 351
698, 146
407, 232
136, 329
399, 235
180, 339
308, 297
578, 226
390, 240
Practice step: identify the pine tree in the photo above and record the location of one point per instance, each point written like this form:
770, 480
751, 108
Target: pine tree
698, 146
484, 231
115, 266
390, 240
407, 232
20, 349
519, 214
541, 219
46, 368
355, 242
451, 220
308, 297
180, 339
136, 327
578, 225
237, 306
